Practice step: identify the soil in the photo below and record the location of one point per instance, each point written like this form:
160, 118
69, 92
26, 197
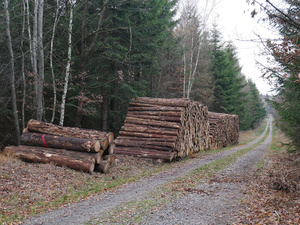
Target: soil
211, 202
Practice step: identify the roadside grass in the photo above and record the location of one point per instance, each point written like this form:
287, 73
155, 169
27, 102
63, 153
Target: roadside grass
273, 195
249, 135
65, 185
137, 211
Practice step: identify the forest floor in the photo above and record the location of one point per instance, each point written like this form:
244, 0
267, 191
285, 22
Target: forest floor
216, 187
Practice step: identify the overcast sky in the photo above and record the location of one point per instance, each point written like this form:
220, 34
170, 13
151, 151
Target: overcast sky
235, 22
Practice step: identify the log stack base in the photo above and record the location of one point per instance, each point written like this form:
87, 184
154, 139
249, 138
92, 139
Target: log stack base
76, 148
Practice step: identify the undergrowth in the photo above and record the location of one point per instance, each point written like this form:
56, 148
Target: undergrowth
273, 196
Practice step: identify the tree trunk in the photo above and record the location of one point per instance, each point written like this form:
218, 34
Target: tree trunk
74, 160
85, 52
52, 141
63, 101
40, 77
104, 110
34, 55
51, 60
12, 74
23, 64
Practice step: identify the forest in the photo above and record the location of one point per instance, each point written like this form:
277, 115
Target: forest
79, 63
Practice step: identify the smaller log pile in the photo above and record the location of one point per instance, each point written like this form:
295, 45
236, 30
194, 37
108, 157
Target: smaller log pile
223, 130
163, 129
80, 149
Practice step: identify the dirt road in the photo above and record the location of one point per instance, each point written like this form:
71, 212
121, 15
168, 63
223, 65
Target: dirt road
222, 194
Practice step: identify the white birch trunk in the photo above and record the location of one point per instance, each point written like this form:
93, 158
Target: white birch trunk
184, 64
12, 71
51, 60
63, 101
193, 70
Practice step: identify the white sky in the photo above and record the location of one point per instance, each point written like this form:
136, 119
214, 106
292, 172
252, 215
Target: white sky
236, 25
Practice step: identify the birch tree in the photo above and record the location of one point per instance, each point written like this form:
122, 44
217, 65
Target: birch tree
57, 15
12, 73
63, 101
192, 28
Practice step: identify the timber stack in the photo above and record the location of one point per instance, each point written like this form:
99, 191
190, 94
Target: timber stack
223, 130
163, 129
80, 149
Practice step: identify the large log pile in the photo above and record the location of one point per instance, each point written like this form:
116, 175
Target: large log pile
223, 130
163, 128
81, 149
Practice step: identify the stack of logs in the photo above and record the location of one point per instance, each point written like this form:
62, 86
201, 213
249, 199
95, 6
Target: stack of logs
81, 149
223, 130
164, 129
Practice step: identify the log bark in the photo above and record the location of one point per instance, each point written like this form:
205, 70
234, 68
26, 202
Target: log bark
75, 160
178, 102
135, 120
146, 153
156, 113
61, 142
156, 108
111, 159
48, 128
137, 142
103, 166
152, 117
147, 135
149, 129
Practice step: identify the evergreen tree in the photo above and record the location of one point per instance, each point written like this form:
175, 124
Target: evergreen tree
228, 84
254, 108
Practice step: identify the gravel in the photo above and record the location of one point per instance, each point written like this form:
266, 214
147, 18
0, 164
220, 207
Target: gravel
215, 206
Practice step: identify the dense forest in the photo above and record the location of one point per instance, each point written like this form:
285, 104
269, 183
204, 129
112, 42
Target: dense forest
79, 63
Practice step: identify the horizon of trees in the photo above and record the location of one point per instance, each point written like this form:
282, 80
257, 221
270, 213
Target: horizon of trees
79, 63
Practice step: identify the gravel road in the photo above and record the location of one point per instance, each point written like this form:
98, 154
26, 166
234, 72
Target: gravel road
213, 208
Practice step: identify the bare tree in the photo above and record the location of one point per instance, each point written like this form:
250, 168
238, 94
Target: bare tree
12, 73
192, 28
57, 15
63, 101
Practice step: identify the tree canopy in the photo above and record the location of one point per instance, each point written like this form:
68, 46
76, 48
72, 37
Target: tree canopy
91, 58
